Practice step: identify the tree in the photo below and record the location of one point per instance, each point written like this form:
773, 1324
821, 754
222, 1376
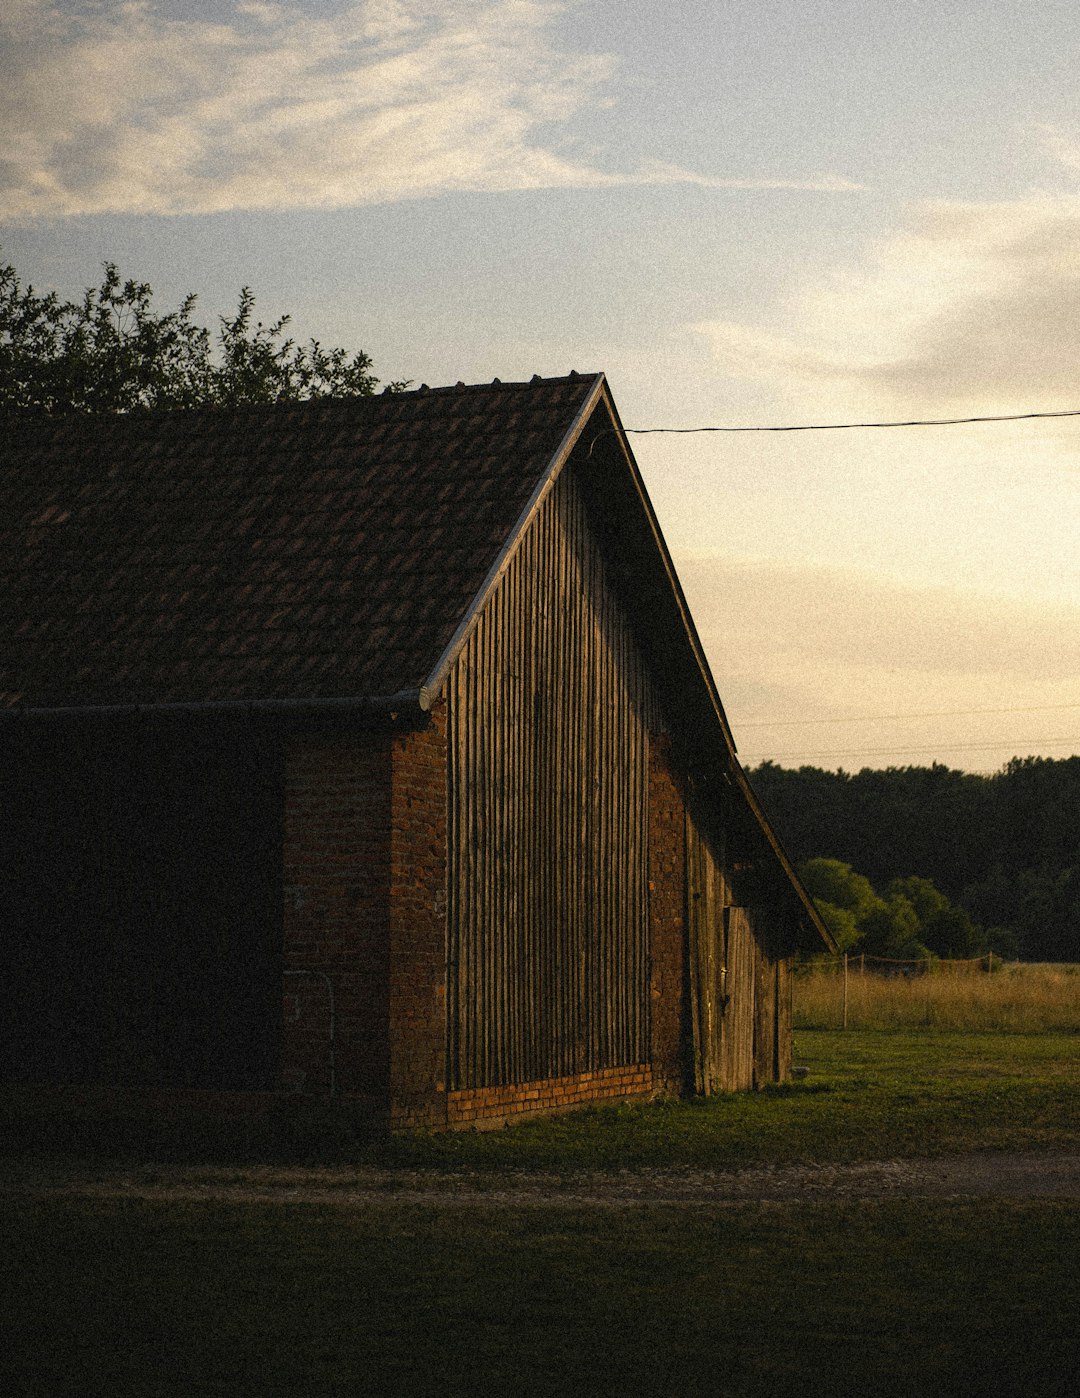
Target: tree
946, 929
1004, 849
891, 929
891, 926
843, 898
111, 352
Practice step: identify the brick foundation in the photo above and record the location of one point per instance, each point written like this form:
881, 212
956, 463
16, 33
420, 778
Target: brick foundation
364, 948
494, 1106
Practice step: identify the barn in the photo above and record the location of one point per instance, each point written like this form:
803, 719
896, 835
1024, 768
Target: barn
366, 749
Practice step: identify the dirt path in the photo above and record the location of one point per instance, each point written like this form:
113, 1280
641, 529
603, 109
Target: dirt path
1014, 1175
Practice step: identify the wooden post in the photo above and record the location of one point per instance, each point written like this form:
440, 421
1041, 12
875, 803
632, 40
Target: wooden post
927, 975
845, 990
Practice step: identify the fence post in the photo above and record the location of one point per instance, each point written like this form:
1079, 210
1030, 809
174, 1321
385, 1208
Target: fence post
926, 973
845, 990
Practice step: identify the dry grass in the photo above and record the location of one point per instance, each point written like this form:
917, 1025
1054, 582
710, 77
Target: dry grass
1022, 999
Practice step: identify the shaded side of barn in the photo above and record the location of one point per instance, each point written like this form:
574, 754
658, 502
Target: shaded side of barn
440, 816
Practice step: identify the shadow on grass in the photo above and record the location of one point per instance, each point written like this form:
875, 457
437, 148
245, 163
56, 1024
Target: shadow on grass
868, 1094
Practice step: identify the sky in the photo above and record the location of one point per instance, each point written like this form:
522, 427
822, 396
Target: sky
744, 212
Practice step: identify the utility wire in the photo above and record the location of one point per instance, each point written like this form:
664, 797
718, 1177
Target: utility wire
890, 718
846, 426
939, 747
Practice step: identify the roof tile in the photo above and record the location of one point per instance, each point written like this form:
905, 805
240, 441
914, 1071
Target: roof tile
321, 549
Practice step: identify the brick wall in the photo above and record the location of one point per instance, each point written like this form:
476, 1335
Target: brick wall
365, 935
364, 983
336, 856
667, 913
417, 872
482, 1107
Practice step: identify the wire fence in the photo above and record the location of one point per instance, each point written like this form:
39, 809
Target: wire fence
858, 963
861, 991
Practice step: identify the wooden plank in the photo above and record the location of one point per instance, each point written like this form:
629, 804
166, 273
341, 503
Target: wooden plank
742, 983
695, 923
548, 898
783, 1020
764, 1016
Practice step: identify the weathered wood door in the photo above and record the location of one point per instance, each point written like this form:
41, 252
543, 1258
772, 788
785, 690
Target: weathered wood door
740, 979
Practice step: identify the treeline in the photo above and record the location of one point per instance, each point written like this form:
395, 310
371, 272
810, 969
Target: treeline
909, 920
1003, 848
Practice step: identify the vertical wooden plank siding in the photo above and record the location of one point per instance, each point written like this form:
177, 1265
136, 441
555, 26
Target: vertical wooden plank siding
707, 895
743, 954
765, 1006
549, 713
783, 1020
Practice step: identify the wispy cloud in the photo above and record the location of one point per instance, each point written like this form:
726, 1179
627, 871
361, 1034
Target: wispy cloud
968, 306
117, 107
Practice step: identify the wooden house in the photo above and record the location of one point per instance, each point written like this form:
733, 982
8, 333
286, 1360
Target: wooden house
366, 749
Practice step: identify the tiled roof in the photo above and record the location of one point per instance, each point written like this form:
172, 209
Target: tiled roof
298, 551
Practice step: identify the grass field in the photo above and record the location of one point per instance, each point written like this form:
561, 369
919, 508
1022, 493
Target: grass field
140, 1300
897, 1296
1015, 998
867, 1094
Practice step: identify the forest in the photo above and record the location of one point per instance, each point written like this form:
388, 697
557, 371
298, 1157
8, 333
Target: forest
1002, 849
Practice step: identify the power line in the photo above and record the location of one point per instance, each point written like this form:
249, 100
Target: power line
847, 426
890, 718
900, 752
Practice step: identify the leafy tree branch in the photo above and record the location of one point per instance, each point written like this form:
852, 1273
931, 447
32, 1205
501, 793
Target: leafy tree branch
112, 352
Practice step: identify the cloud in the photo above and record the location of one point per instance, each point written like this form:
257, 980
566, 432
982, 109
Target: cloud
811, 642
967, 307
116, 107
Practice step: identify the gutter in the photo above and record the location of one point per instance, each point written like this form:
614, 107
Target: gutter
407, 699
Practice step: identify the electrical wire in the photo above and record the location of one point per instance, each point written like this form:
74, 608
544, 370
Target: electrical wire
1004, 743
848, 426
945, 713
893, 718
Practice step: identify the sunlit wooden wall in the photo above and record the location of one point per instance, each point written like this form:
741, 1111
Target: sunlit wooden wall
549, 714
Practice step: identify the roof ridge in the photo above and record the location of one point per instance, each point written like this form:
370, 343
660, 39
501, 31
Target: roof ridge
574, 376
326, 403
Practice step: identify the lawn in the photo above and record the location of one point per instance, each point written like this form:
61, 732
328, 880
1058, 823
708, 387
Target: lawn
867, 1095
904, 1297
961, 1297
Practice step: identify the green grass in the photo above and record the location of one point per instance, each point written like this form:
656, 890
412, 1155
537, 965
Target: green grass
867, 1095
907, 1297
970, 1299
